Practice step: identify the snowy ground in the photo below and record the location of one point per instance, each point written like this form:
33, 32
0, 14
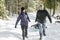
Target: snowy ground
8, 32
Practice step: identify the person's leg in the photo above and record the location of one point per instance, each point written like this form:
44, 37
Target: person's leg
22, 28
40, 30
43, 25
26, 29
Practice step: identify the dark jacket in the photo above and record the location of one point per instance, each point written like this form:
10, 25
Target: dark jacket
41, 16
24, 19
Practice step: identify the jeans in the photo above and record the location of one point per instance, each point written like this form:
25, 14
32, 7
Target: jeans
41, 28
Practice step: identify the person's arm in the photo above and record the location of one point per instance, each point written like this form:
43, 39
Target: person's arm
36, 16
49, 17
17, 20
28, 18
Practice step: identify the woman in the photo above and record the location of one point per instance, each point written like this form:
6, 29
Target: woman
24, 21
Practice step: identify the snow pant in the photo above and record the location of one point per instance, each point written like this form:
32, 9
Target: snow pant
24, 28
41, 28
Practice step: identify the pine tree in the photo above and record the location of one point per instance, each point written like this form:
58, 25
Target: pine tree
51, 4
2, 9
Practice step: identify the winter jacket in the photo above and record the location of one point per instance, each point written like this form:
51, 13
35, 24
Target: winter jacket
41, 16
24, 19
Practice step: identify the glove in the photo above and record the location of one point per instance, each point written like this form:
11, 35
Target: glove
29, 21
50, 22
15, 26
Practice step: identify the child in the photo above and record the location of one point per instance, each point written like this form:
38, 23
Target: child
24, 21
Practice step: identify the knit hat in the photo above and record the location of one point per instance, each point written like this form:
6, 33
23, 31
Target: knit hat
22, 8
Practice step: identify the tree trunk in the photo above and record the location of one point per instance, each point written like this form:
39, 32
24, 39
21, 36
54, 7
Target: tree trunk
26, 5
54, 9
50, 7
44, 4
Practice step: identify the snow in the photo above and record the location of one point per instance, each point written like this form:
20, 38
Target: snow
8, 32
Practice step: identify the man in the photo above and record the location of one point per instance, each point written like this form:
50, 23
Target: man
41, 19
